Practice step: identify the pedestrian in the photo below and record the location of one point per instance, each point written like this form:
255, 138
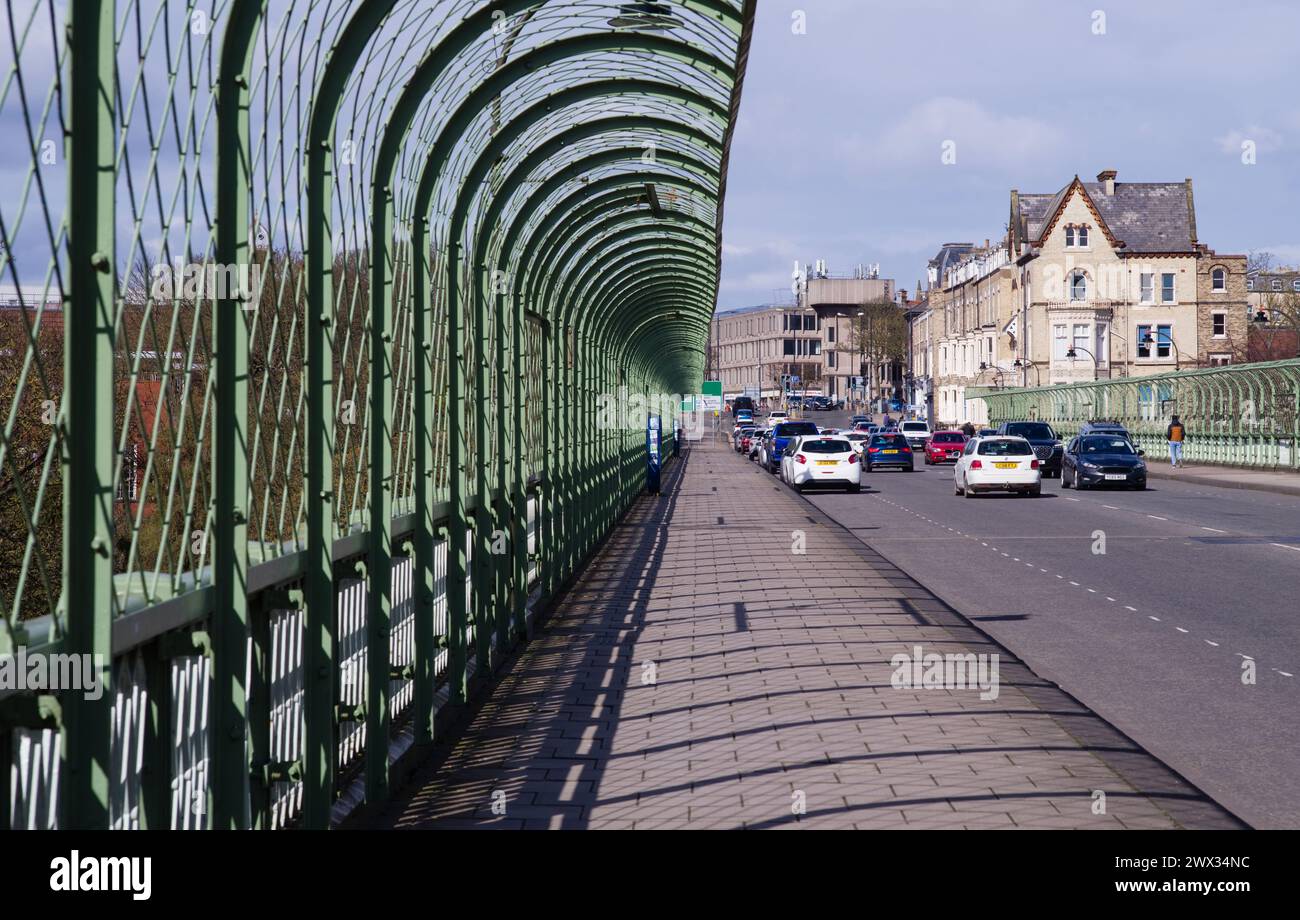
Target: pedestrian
1176, 434
968, 429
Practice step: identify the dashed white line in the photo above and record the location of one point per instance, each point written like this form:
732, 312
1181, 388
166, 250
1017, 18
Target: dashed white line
1150, 617
1181, 630
1208, 642
1075, 583
1156, 517
1213, 530
1127, 607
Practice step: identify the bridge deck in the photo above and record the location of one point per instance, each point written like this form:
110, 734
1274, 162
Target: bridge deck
701, 675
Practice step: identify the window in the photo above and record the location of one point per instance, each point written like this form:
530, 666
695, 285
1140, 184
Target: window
1277, 284
1295, 285
1218, 280
789, 347
830, 335
1101, 345
1069, 237
1167, 287
1220, 360
1148, 281
1076, 237
1143, 341
810, 323
1081, 343
1060, 344
830, 359
1078, 286
1164, 341
1220, 321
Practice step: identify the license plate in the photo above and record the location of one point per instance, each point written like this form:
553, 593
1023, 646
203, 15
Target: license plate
891, 451
1006, 466
828, 463
1119, 477
953, 455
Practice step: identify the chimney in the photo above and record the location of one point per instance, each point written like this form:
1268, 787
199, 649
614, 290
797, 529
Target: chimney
1107, 178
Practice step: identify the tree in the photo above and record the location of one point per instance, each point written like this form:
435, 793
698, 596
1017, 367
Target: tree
880, 336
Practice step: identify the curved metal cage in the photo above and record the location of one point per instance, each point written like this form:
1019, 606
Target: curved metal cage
309, 308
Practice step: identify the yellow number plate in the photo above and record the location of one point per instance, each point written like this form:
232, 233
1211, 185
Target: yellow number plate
1006, 466
828, 463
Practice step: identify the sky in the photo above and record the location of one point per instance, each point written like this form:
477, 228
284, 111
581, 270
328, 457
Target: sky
840, 144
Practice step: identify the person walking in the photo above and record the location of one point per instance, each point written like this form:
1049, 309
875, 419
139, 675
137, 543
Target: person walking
1177, 434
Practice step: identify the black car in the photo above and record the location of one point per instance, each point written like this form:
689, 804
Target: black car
1045, 442
887, 450
1103, 460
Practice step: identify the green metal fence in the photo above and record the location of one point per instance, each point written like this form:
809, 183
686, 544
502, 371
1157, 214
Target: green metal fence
1244, 415
308, 306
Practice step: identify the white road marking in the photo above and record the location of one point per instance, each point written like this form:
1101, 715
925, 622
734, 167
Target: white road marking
1092, 590
1127, 607
1213, 530
1111, 599
1150, 617
1075, 583
1110, 507
1181, 630
1208, 642
1068, 499
1156, 517
1284, 546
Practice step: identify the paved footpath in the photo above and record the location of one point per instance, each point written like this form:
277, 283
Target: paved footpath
702, 675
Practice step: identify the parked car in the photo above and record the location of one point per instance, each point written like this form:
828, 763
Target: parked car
998, 464
1046, 443
1103, 460
821, 461
742, 437
754, 442
917, 433
944, 447
887, 451
781, 436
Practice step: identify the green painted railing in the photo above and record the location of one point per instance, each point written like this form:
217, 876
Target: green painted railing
308, 309
1245, 415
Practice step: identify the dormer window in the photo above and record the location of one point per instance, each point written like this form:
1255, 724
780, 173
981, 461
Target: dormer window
1076, 237
1219, 280
1277, 284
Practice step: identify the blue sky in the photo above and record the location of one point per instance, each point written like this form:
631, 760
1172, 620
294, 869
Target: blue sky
838, 149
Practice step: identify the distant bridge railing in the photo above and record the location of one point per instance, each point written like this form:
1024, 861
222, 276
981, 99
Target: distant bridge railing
1245, 415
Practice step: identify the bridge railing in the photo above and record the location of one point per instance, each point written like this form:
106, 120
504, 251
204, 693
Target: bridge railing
306, 311
1245, 415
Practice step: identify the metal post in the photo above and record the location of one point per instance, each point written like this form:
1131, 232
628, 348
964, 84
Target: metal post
87, 606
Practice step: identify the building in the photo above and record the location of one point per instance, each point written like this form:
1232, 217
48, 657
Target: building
813, 339
752, 348
1096, 280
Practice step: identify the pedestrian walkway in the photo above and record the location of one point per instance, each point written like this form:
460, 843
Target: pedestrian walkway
702, 674
1281, 482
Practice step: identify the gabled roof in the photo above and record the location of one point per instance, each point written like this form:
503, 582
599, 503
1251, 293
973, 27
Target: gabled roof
1140, 217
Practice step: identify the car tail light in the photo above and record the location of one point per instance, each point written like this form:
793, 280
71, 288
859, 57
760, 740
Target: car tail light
800, 458
1033, 464
874, 450
976, 465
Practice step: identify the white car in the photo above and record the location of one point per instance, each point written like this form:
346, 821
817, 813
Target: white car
774, 418
917, 433
857, 440
997, 464
816, 460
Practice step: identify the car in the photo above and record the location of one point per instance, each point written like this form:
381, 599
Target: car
998, 464
743, 404
944, 447
859, 420
780, 439
745, 417
917, 433
742, 436
821, 461
885, 451
857, 440
1114, 429
778, 416
755, 441
987, 433
1103, 460
1046, 443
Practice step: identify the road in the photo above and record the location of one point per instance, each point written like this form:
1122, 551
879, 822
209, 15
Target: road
1195, 586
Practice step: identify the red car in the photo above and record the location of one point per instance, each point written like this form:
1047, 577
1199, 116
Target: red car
944, 447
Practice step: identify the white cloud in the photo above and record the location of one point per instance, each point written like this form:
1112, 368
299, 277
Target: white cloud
978, 136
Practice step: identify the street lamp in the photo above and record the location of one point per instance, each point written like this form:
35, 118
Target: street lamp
1024, 366
1148, 341
1001, 374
